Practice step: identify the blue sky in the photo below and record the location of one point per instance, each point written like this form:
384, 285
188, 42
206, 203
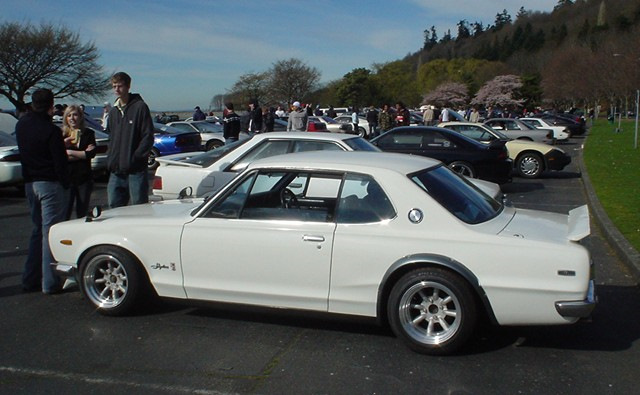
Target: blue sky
180, 53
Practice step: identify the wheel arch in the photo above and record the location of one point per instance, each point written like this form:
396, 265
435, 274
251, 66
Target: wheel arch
137, 260
417, 261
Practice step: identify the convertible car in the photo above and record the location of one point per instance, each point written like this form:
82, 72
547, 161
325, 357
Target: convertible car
398, 237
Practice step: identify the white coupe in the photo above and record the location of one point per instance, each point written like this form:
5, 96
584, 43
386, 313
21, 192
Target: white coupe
397, 237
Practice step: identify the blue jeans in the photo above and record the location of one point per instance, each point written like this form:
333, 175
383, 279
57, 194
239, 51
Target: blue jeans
47, 201
124, 187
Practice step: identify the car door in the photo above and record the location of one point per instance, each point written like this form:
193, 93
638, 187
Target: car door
253, 245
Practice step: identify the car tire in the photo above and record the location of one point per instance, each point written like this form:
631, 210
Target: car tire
213, 144
432, 310
112, 280
529, 165
362, 131
152, 164
463, 168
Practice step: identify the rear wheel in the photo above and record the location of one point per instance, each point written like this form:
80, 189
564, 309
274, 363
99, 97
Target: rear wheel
463, 168
530, 165
432, 310
151, 161
112, 280
213, 144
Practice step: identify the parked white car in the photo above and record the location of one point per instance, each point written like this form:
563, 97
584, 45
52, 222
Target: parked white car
10, 166
363, 124
204, 173
530, 159
209, 171
397, 237
560, 133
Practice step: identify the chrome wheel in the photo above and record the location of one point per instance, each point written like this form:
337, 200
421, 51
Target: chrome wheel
433, 310
463, 168
530, 166
429, 313
105, 281
113, 280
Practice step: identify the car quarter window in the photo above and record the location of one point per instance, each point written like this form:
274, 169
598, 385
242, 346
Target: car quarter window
362, 200
263, 150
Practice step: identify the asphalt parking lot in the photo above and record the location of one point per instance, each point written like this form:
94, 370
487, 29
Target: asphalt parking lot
57, 344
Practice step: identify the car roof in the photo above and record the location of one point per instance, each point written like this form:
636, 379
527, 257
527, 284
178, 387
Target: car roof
323, 136
356, 161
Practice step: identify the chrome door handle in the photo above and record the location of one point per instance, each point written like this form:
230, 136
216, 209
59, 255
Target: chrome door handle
313, 238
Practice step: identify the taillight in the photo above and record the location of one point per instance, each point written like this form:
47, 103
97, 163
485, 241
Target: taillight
157, 182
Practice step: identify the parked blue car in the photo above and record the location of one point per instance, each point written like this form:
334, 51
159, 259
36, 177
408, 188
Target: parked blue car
168, 140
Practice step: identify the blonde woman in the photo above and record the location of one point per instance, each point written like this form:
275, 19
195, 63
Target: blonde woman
81, 148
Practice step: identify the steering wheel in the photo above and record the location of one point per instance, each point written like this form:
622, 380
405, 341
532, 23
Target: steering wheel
288, 199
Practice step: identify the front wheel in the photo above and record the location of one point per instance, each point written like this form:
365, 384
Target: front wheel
432, 310
112, 280
463, 168
530, 165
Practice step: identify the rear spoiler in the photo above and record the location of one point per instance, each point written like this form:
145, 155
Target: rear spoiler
578, 223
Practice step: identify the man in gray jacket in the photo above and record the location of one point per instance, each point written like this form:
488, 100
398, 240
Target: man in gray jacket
297, 118
130, 130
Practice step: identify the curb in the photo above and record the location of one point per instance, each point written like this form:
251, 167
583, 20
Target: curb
629, 255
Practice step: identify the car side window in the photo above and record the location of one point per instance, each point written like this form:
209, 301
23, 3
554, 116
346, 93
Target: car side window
289, 196
303, 146
266, 149
362, 200
510, 125
230, 205
435, 140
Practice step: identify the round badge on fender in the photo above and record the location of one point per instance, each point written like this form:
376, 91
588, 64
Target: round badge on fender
416, 215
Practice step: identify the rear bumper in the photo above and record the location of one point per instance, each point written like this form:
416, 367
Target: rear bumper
578, 308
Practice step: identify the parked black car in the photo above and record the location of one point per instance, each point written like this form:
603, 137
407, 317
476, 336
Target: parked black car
466, 156
575, 127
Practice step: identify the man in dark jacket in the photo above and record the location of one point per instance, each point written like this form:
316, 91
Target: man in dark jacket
255, 117
198, 115
230, 124
43, 157
130, 130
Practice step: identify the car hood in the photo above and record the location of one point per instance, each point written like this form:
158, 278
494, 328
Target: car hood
162, 209
549, 227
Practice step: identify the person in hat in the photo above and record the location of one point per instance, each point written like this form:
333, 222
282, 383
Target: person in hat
297, 118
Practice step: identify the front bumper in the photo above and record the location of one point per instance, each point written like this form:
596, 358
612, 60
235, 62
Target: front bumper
557, 160
64, 269
579, 308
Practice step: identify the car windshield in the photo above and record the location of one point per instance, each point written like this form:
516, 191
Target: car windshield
457, 194
210, 157
360, 144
